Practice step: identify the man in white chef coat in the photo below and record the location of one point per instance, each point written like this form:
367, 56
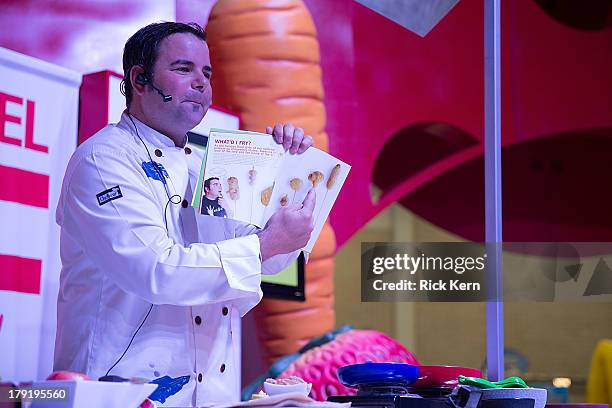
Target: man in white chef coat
149, 288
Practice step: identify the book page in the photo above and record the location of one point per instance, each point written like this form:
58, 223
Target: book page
312, 169
238, 175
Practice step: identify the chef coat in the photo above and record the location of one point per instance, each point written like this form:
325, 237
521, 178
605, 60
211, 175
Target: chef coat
126, 246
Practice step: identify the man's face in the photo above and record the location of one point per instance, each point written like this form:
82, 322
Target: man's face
214, 189
182, 70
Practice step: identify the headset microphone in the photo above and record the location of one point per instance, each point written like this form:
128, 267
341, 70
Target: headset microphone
143, 80
167, 98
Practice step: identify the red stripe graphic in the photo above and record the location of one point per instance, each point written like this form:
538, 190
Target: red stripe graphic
20, 274
25, 187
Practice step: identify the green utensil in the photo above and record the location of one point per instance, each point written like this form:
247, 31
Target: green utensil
510, 382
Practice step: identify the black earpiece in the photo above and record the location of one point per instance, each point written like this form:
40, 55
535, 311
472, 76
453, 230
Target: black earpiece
142, 79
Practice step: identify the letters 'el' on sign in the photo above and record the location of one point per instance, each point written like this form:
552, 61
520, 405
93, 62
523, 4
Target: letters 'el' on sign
24, 187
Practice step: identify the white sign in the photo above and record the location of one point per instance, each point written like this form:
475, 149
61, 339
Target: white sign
38, 133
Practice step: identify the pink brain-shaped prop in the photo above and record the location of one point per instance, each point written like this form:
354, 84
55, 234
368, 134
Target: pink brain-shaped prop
318, 366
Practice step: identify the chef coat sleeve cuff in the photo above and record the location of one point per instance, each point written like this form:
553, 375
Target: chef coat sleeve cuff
240, 259
272, 265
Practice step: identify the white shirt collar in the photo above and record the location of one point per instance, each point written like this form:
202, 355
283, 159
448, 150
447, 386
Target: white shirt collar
147, 133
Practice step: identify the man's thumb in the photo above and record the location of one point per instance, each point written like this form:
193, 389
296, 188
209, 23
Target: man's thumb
310, 201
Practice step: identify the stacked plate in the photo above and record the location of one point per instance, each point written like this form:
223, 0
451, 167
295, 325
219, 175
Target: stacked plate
400, 379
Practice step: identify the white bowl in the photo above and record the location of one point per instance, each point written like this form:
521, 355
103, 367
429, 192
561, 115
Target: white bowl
276, 389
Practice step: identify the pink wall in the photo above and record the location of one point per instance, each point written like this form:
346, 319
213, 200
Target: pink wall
85, 36
382, 81
380, 78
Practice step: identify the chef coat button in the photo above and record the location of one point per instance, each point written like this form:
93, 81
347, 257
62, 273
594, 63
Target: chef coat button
158, 153
198, 320
200, 377
222, 369
185, 204
187, 150
224, 311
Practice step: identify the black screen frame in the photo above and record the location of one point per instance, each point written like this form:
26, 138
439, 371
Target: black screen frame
286, 292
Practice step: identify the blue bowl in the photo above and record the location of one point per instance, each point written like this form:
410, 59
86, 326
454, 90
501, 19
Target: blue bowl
357, 375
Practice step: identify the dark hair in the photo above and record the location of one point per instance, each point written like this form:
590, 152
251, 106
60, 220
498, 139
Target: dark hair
141, 49
207, 182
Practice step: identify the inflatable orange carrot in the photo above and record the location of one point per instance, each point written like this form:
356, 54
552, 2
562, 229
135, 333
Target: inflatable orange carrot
265, 56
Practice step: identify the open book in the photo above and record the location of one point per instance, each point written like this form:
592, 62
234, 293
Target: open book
247, 176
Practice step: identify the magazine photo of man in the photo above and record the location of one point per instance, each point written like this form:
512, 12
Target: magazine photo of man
213, 202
